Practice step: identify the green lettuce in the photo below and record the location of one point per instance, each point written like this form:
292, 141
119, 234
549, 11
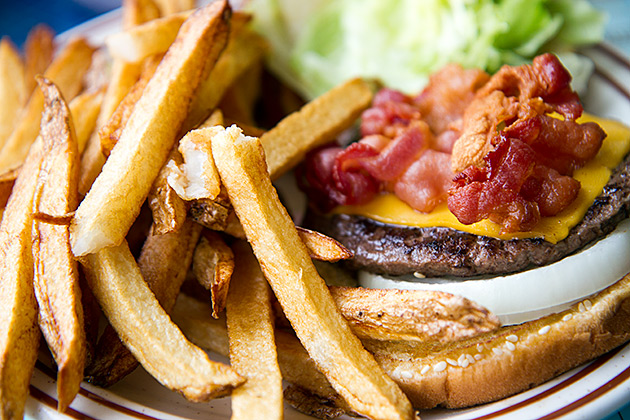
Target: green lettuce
318, 44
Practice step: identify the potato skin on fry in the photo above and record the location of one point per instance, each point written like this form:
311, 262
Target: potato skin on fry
19, 333
414, 315
295, 282
56, 277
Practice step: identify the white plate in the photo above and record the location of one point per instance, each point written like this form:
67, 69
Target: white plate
589, 392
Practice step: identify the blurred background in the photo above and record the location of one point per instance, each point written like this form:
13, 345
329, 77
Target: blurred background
16, 17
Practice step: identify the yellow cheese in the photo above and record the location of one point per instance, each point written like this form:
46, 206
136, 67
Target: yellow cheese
388, 208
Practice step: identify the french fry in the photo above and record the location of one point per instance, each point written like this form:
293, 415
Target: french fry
213, 265
153, 37
56, 278
38, 53
317, 123
111, 131
412, 315
196, 177
13, 91
193, 317
136, 12
123, 77
163, 262
322, 247
66, 72
108, 210
168, 7
168, 208
244, 49
252, 346
19, 333
304, 297
85, 109
149, 333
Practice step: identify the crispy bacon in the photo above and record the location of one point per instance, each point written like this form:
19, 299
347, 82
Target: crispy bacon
426, 182
513, 160
512, 189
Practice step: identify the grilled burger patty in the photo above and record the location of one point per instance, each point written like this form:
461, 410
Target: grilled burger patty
437, 251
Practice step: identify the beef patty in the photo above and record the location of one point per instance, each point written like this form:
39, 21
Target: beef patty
436, 251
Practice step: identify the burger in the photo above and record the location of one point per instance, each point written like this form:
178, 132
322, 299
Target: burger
497, 188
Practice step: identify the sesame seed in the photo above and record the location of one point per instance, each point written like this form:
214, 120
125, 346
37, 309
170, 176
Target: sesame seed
567, 317
464, 363
479, 348
544, 330
406, 374
588, 304
581, 307
513, 338
424, 370
451, 362
418, 275
497, 351
461, 358
478, 356
440, 366
470, 358
510, 346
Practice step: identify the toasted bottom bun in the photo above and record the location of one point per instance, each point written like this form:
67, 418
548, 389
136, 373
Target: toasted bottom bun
494, 366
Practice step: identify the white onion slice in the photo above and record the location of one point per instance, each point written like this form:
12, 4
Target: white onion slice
528, 295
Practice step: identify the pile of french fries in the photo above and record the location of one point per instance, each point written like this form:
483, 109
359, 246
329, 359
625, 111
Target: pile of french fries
86, 142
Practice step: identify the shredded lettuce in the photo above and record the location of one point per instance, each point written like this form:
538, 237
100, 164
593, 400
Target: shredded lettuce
318, 44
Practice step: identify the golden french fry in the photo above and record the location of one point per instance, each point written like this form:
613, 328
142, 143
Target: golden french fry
244, 49
193, 317
153, 37
304, 297
108, 210
412, 315
322, 247
196, 176
213, 265
85, 109
163, 262
56, 277
253, 354
168, 7
168, 208
136, 12
19, 333
123, 77
39, 49
317, 123
13, 91
66, 71
149, 333
111, 131
91, 318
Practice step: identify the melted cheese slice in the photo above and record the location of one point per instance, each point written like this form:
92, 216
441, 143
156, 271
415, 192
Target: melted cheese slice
388, 208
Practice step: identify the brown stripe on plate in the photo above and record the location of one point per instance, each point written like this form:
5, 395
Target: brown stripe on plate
617, 380
614, 54
569, 381
607, 78
46, 370
46, 399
